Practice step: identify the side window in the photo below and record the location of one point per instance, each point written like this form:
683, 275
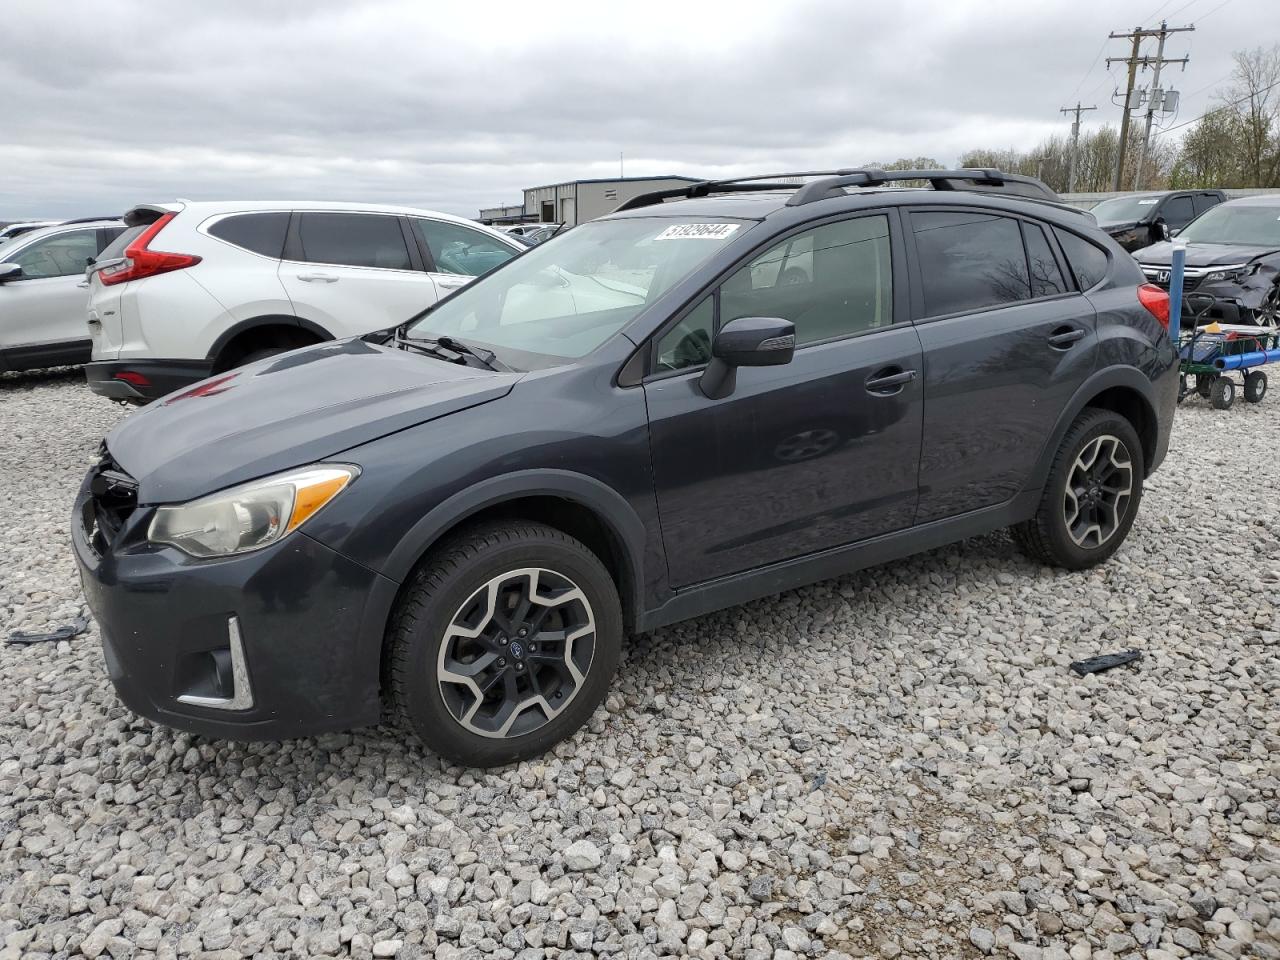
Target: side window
832, 281
1177, 211
688, 343
461, 250
969, 260
1087, 262
107, 236
261, 233
1046, 275
62, 255
353, 240
1203, 201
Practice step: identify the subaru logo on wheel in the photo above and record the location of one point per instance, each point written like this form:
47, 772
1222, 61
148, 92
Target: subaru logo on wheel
517, 649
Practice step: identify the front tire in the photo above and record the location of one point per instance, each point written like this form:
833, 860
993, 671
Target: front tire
1092, 494
504, 643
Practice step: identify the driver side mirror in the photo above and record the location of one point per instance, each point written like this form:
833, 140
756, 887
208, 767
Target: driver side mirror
10, 271
746, 342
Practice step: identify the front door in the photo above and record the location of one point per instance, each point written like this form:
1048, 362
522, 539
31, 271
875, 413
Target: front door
455, 254
799, 458
1007, 341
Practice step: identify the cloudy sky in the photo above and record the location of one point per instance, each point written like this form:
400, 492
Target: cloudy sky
460, 105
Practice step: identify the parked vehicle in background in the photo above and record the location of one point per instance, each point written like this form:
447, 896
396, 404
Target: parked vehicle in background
464, 516
193, 289
1233, 263
1140, 219
11, 230
543, 234
43, 292
524, 229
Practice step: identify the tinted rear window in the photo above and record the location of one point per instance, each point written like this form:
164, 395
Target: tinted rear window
354, 240
1087, 262
256, 232
1046, 275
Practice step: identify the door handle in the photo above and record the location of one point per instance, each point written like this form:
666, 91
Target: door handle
1065, 337
452, 284
889, 381
83, 284
318, 277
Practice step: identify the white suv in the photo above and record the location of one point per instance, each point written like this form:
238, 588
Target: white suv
42, 292
192, 289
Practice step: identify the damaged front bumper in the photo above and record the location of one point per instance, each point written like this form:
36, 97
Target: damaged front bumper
1235, 293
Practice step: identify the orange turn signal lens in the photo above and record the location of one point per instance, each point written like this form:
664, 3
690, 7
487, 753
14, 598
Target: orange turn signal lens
312, 493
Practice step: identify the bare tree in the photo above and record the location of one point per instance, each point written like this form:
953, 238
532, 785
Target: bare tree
1254, 101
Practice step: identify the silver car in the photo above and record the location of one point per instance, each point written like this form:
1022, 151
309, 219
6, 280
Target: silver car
43, 293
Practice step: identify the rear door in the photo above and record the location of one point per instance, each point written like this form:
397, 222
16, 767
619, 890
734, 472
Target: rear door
45, 307
353, 273
456, 254
1203, 201
1177, 211
804, 457
1007, 340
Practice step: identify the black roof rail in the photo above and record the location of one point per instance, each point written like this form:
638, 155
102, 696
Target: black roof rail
64, 223
833, 183
1011, 183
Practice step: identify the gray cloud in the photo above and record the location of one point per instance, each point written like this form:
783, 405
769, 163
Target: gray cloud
398, 100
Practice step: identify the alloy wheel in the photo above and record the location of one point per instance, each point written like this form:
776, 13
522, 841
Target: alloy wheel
1099, 489
516, 653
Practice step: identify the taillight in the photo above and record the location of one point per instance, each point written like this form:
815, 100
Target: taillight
133, 377
139, 261
1156, 301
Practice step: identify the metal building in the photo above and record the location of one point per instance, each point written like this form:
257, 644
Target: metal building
577, 201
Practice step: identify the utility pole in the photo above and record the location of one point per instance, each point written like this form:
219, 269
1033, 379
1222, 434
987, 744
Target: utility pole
1137, 35
1075, 140
1160, 61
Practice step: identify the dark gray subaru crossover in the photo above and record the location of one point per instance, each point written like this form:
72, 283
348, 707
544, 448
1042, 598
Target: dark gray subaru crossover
714, 394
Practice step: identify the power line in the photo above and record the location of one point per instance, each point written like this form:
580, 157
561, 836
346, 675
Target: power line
1225, 106
1096, 58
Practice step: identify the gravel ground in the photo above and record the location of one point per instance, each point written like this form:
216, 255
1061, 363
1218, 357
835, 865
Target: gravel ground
897, 763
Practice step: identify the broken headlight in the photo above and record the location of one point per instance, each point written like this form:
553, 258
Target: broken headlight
1230, 273
252, 515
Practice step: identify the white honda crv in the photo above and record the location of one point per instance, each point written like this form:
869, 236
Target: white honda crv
194, 288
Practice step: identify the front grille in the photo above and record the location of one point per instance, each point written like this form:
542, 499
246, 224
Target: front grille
113, 496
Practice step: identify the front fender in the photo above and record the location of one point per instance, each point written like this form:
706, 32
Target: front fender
606, 503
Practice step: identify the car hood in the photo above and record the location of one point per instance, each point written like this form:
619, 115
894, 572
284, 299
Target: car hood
1117, 226
287, 411
1203, 254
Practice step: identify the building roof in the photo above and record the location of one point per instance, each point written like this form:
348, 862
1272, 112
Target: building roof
569, 183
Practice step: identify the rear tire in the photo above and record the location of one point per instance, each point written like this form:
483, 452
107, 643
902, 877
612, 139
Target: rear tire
1092, 494
1255, 386
483, 668
1204, 384
1223, 394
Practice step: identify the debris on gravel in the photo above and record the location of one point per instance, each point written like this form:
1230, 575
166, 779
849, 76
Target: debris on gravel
896, 763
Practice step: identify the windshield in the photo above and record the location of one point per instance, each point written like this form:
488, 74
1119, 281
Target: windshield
1123, 209
564, 298
1226, 223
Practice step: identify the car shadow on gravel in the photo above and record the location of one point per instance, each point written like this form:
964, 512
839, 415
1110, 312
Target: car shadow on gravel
28, 379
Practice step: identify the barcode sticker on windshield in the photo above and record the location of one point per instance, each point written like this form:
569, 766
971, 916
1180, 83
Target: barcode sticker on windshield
1148, 203
698, 231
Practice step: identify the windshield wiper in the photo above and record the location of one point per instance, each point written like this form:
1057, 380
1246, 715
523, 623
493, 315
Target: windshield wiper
454, 350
